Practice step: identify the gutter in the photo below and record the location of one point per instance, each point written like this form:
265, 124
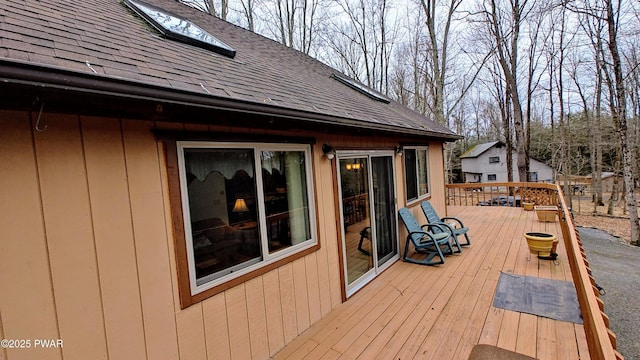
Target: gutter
44, 77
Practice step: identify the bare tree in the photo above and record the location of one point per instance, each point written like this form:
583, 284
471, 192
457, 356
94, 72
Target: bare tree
619, 114
363, 43
438, 47
632, 60
498, 88
593, 27
294, 23
248, 10
533, 71
209, 7
504, 25
563, 122
609, 14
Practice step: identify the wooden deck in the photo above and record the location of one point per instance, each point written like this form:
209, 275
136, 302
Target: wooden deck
420, 312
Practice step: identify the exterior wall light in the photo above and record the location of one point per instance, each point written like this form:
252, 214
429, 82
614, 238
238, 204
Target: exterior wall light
328, 151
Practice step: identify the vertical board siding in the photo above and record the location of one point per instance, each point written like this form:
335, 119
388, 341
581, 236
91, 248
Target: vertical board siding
151, 239
191, 335
437, 178
256, 314
301, 295
92, 258
216, 327
240, 339
330, 292
287, 299
69, 232
28, 310
313, 287
3, 351
273, 309
113, 231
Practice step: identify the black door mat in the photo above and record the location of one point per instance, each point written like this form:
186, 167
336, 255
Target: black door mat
553, 299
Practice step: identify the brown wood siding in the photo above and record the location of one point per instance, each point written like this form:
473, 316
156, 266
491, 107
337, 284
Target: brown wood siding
437, 177
436, 196
28, 310
87, 248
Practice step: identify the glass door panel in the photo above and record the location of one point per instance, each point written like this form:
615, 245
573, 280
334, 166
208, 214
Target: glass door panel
384, 208
358, 249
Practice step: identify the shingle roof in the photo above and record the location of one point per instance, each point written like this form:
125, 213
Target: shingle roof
478, 150
105, 40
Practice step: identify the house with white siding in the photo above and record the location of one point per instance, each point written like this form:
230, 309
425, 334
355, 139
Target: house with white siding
487, 162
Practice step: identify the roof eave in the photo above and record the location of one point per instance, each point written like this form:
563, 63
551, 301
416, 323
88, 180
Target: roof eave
23, 73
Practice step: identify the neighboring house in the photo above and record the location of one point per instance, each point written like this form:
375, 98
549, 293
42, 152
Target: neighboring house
488, 163
608, 180
585, 182
190, 195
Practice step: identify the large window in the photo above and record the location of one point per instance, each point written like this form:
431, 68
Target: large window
416, 172
494, 159
244, 206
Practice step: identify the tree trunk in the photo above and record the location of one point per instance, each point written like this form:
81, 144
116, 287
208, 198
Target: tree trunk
506, 123
620, 119
508, 59
597, 139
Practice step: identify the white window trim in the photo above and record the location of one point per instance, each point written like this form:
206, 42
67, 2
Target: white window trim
428, 194
266, 258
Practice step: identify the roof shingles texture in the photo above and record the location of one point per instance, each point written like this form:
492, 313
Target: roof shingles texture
106, 37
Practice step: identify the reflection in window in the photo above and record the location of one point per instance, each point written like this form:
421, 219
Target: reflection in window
222, 210
240, 218
175, 27
285, 198
416, 172
423, 183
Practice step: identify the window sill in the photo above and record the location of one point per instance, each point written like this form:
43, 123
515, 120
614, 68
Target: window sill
187, 299
417, 201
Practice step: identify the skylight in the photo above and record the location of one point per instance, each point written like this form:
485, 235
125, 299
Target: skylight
178, 28
361, 88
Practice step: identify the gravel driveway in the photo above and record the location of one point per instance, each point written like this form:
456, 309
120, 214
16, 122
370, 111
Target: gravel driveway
616, 267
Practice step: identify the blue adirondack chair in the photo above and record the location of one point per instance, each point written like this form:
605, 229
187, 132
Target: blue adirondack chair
425, 240
453, 224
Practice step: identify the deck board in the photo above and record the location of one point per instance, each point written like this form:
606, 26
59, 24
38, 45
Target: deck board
409, 309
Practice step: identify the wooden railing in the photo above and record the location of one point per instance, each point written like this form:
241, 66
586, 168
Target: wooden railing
355, 208
600, 338
501, 194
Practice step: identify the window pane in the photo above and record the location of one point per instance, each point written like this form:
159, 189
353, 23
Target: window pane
221, 185
423, 178
410, 173
285, 198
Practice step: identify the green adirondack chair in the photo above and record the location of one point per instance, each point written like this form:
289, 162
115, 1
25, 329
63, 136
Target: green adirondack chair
453, 224
425, 240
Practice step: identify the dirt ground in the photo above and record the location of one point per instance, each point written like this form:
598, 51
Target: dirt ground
616, 225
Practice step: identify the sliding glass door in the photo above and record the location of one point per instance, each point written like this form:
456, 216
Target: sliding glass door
385, 208
369, 234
